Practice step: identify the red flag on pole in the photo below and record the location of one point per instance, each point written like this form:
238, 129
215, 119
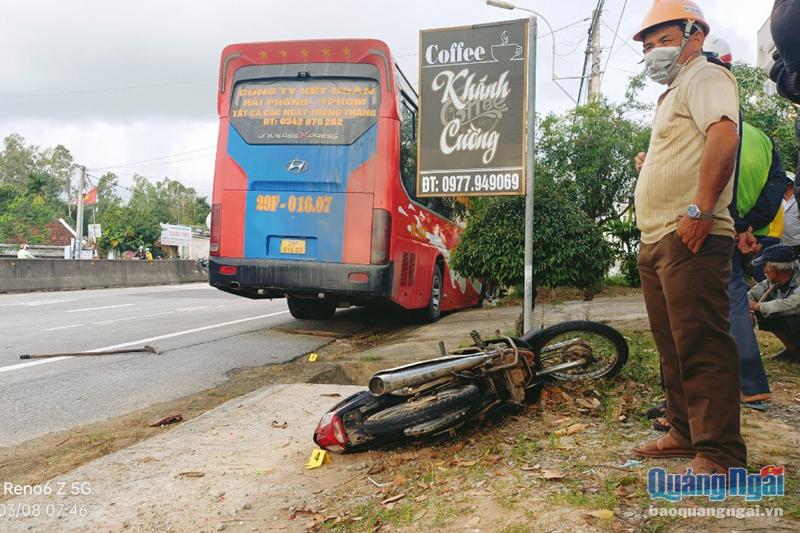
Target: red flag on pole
90, 198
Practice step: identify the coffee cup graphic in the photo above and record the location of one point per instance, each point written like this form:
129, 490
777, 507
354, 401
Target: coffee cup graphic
505, 51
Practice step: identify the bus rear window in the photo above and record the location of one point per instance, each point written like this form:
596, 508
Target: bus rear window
305, 109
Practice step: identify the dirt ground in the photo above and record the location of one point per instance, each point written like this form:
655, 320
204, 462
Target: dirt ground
563, 464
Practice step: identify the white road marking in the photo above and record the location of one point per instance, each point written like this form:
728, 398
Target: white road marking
64, 327
140, 341
115, 320
38, 303
98, 308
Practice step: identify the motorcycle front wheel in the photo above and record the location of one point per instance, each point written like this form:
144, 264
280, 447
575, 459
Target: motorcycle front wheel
580, 350
422, 409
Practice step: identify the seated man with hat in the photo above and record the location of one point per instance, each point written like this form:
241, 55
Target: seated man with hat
775, 302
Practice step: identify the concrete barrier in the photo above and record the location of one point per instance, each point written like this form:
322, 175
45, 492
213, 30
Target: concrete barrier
21, 275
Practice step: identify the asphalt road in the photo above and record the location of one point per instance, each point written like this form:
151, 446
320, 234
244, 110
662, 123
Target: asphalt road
202, 333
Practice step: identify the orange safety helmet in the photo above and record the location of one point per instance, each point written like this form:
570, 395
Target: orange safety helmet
668, 10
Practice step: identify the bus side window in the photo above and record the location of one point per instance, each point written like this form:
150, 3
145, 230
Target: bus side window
408, 148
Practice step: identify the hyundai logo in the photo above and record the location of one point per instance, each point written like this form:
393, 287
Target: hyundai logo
296, 166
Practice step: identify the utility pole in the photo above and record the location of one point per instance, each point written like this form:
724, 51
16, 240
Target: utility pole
594, 80
79, 225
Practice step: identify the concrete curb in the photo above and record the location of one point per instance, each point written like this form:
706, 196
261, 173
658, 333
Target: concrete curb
24, 275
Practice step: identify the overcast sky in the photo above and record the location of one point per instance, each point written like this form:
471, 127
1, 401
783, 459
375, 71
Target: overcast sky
130, 87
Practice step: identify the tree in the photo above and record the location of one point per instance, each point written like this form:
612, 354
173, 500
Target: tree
625, 237
127, 228
170, 201
568, 248
588, 154
24, 218
772, 114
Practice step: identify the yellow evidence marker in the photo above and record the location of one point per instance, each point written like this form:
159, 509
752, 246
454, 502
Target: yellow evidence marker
312, 357
317, 459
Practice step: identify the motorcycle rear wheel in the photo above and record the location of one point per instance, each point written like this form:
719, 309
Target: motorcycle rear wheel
422, 409
606, 348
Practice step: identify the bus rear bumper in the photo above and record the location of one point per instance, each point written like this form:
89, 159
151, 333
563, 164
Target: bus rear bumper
274, 278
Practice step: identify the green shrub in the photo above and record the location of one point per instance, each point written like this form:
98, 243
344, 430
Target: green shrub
568, 248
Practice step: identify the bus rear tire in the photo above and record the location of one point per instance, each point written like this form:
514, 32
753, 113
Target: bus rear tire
308, 309
433, 311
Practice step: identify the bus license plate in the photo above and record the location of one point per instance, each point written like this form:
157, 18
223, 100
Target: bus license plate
293, 246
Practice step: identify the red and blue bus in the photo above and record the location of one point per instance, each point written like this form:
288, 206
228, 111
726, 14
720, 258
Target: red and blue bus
315, 180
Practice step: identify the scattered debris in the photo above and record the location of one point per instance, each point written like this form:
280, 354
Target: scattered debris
278, 425
552, 474
192, 473
379, 485
604, 514
171, 419
376, 468
147, 348
571, 430
393, 499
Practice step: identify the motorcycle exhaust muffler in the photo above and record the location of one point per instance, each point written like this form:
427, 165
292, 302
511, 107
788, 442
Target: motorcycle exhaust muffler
393, 379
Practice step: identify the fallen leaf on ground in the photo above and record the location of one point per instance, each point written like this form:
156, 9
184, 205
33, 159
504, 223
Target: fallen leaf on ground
571, 430
552, 474
172, 419
191, 474
604, 514
586, 403
421, 498
466, 463
393, 499
398, 480
376, 468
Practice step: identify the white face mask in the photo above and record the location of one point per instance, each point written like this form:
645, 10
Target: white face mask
661, 64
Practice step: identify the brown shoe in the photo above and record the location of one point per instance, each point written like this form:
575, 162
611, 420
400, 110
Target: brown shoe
666, 446
702, 465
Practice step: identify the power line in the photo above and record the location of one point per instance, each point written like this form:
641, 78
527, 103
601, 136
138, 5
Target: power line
160, 163
623, 39
139, 163
540, 36
107, 89
614, 40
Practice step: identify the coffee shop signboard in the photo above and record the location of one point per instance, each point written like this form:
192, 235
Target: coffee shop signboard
472, 97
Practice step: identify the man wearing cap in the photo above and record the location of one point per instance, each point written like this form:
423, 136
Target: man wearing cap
791, 217
682, 197
775, 302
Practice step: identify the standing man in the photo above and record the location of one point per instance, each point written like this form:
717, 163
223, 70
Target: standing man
682, 199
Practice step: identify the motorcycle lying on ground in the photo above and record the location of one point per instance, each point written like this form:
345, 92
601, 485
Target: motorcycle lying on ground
440, 395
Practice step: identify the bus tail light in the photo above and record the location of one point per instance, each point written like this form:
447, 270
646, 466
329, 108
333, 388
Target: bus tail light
216, 229
228, 270
381, 236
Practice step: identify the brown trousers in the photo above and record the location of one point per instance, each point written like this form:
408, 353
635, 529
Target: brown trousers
687, 303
